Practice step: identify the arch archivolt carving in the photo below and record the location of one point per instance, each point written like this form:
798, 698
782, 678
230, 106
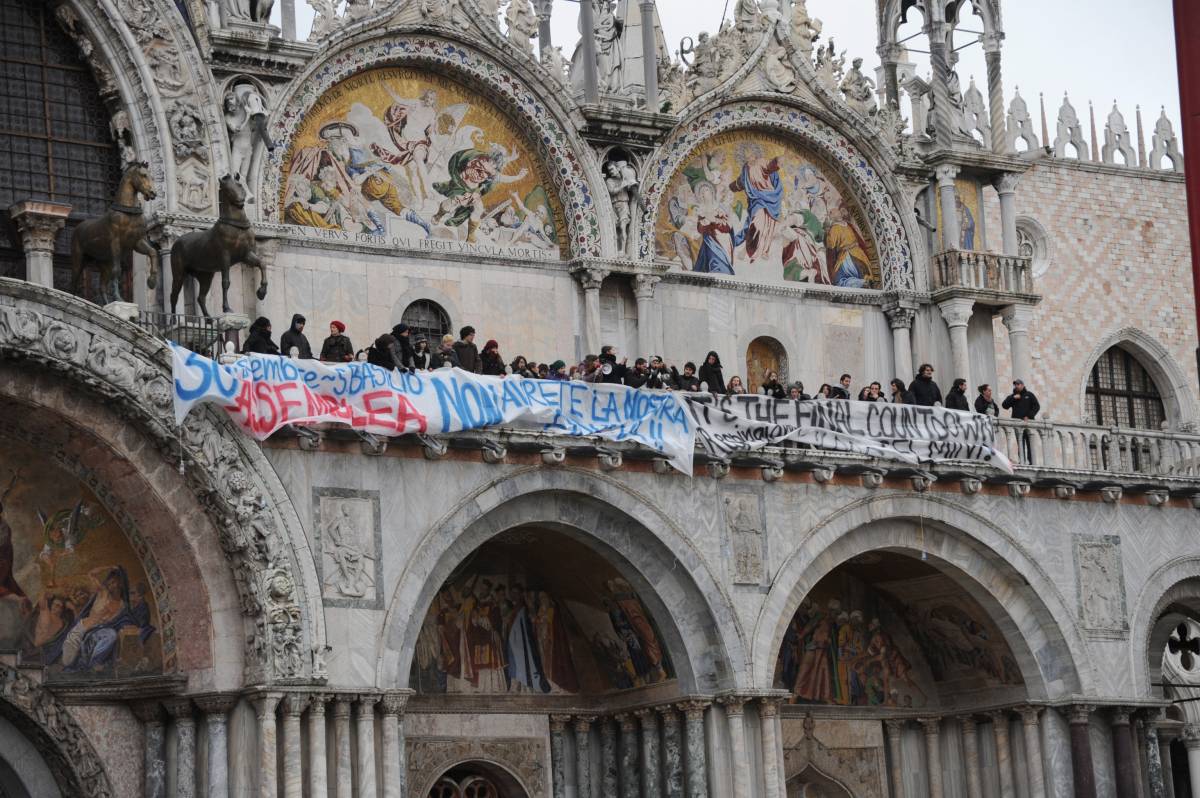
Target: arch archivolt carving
866, 184
1172, 381
518, 759
552, 132
1172, 588
258, 529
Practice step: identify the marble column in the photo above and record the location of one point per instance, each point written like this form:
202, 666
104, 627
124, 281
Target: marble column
933, 754
945, 174
697, 757
629, 782
318, 769
970, 739
1154, 763
583, 754
900, 318
648, 315
996, 110
672, 748
38, 223
587, 46
608, 757
216, 709
1003, 754
394, 775
180, 710
1164, 758
268, 767
1191, 740
945, 116
344, 774
154, 750
1017, 319
649, 55
651, 762
957, 313
543, 9
1006, 189
364, 714
739, 765
773, 768
293, 757
1033, 751
558, 754
895, 731
1081, 752
590, 280
1123, 754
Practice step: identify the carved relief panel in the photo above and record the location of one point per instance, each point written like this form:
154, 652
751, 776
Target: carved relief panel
347, 538
1101, 583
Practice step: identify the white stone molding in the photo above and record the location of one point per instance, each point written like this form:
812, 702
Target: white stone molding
1035, 244
1173, 383
260, 531
1169, 596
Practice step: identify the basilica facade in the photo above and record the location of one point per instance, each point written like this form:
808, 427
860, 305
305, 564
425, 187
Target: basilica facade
511, 613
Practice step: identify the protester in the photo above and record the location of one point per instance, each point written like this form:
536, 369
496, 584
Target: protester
520, 368
772, 387
611, 370
984, 403
957, 398
446, 354
796, 392
555, 371
923, 389
490, 361
1023, 403
842, 389
825, 391
259, 340
404, 350
639, 375
467, 352
660, 377
875, 393
864, 394
735, 385
337, 347
711, 374
901, 395
421, 354
687, 381
385, 352
294, 338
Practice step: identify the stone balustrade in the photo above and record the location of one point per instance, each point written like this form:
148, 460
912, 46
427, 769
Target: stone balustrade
1116, 451
983, 271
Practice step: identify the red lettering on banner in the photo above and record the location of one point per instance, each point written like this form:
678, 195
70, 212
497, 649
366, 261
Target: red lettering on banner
284, 402
406, 413
243, 406
262, 395
376, 416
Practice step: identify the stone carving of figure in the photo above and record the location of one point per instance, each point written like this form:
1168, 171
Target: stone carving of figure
555, 63
343, 547
356, 10
246, 119
702, 77
522, 25
248, 10
608, 47
621, 181
729, 60
747, 21
805, 29
325, 19
859, 89
778, 70
672, 85
829, 65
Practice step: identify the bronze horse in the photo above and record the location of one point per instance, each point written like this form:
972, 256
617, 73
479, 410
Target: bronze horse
109, 240
202, 254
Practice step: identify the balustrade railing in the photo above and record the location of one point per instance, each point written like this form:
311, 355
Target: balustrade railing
1115, 450
983, 271
198, 333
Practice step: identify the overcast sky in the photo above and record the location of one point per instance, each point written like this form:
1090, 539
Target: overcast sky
1100, 51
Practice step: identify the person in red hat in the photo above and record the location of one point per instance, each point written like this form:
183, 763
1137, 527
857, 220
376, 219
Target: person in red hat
491, 361
337, 347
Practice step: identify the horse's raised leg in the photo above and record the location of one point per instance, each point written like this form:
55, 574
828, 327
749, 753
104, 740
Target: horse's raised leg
143, 246
176, 287
225, 291
204, 282
251, 259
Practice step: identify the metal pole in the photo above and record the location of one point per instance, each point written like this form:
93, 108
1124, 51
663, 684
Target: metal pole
1187, 33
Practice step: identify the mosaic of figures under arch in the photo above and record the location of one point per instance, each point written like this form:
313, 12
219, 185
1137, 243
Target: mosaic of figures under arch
757, 206
534, 612
402, 157
74, 597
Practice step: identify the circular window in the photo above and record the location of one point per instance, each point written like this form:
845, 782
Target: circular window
1033, 243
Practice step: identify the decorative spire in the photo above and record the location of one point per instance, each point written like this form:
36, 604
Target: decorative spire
1141, 138
1095, 141
1045, 130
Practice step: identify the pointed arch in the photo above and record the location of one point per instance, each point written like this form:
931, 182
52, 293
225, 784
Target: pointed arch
1173, 383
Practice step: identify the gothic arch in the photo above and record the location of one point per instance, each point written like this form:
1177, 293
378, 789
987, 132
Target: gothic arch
994, 569
1171, 593
694, 613
487, 761
1173, 383
36, 712
256, 524
517, 90
873, 190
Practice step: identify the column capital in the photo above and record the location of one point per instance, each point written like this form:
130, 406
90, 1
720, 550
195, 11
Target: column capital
895, 725
1029, 714
216, 704
945, 174
265, 703
668, 711
39, 223
967, 722
590, 278
365, 705
957, 312
643, 285
1120, 716
559, 723
734, 704
294, 704
1017, 318
1191, 736
1006, 183
768, 707
147, 711
648, 717
999, 717
341, 705
900, 316
991, 41
626, 721
607, 729
932, 726
317, 702
395, 701
583, 722
180, 709
1080, 714
694, 709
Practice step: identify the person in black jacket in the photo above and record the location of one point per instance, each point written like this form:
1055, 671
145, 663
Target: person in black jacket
610, 370
447, 353
923, 389
490, 361
842, 389
638, 376
421, 353
1024, 405
385, 352
660, 377
520, 368
295, 337
468, 353
772, 387
404, 350
337, 347
711, 374
957, 398
259, 339
984, 403
900, 395
687, 381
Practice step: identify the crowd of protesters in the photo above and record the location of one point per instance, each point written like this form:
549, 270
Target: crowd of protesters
401, 349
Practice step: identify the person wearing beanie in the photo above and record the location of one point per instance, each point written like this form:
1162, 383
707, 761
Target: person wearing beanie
490, 361
404, 348
259, 339
295, 338
337, 347
558, 371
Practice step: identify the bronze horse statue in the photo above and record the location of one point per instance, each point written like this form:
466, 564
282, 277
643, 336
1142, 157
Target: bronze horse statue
110, 240
202, 254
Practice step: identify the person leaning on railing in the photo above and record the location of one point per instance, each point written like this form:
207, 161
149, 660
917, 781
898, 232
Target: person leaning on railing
259, 339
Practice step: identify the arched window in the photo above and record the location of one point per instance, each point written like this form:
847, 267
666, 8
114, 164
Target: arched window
54, 136
427, 318
1121, 393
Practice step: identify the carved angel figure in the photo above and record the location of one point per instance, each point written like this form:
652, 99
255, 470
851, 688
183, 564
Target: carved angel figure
522, 25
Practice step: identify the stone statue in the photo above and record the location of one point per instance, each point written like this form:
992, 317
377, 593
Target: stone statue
621, 181
356, 10
325, 19
522, 25
672, 86
246, 119
747, 23
859, 89
777, 69
829, 65
110, 240
248, 10
555, 64
703, 75
805, 29
341, 543
201, 255
608, 48
726, 47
